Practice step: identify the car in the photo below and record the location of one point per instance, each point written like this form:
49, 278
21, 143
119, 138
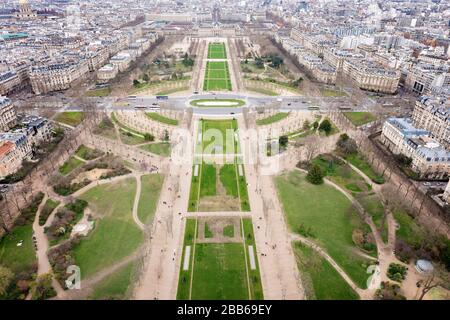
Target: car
154, 104
231, 112
195, 92
289, 104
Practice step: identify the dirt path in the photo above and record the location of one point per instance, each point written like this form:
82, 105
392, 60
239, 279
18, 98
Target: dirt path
362, 293
162, 256
42, 246
279, 273
137, 197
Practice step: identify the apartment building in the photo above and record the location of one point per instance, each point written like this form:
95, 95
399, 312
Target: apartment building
370, 76
434, 115
9, 81
10, 160
429, 159
56, 76
107, 72
7, 114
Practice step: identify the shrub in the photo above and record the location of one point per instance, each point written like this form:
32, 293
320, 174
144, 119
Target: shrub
315, 175
346, 145
325, 126
397, 272
42, 288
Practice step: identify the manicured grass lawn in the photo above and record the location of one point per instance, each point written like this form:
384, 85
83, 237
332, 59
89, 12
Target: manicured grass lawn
184, 281
161, 148
321, 280
341, 173
327, 215
115, 235
150, 190
217, 84
375, 208
71, 164
360, 118
228, 179
254, 275
222, 130
276, 117
332, 93
219, 272
48, 208
18, 258
130, 138
115, 286
72, 118
217, 76
216, 51
193, 194
409, 230
87, 153
358, 161
228, 231
203, 103
208, 183
160, 118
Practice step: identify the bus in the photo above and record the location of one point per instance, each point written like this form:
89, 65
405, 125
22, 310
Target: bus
162, 97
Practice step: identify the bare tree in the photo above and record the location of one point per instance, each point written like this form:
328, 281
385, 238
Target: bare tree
438, 278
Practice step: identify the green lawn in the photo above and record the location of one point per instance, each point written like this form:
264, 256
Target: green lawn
115, 286
325, 214
217, 76
71, 164
320, 280
208, 183
358, 161
160, 118
341, 173
184, 281
151, 188
409, 230
228, 179
217, 51
115, 235
220, 134
256, 288
87, 153
360, 118
372, 204
160, 148
71, 118
276, 117
16, 258
130, 138
219, 272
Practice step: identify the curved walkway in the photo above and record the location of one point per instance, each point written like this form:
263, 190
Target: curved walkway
362, 293
137, 197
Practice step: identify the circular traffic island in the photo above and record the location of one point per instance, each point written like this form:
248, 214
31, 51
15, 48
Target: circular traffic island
217, 103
